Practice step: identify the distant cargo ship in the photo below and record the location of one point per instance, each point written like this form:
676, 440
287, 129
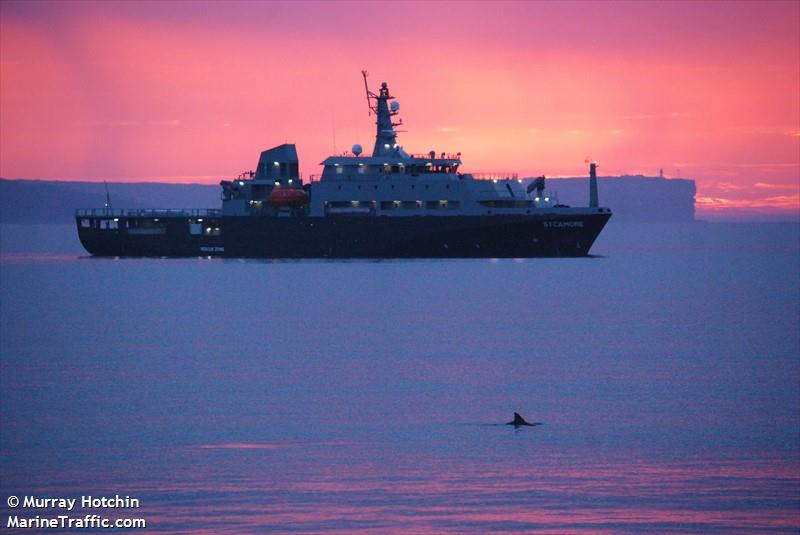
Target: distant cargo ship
391, 204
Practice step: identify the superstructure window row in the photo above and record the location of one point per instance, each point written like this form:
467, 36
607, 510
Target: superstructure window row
415, 205
393, 169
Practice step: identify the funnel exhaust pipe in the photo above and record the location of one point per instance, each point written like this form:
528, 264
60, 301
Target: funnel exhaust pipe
593, 203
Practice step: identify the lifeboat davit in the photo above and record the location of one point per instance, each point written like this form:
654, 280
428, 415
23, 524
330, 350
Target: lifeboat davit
293, 197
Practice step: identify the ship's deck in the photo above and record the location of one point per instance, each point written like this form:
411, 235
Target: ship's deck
148, 212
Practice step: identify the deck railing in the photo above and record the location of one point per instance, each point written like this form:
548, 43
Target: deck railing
437, 156
148, 212
494, 176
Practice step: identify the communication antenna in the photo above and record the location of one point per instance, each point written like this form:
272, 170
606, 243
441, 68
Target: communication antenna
333, 131
108, 196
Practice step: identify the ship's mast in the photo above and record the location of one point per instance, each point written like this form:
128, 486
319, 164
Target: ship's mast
109, 208
386, 137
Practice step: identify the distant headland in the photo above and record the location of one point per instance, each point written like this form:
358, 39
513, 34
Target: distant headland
633, 198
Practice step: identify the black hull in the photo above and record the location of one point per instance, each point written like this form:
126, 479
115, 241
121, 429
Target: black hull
359, 237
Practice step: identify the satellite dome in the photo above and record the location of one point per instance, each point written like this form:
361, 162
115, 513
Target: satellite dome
395, 105
356, 149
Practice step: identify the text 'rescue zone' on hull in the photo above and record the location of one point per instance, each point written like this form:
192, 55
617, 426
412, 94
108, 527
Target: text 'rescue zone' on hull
391, 204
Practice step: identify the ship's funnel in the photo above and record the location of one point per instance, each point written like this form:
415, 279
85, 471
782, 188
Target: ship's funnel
593, 202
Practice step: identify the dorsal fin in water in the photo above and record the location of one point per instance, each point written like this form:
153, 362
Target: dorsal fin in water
519, 420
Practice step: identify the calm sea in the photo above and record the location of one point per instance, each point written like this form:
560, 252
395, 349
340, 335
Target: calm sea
241, 396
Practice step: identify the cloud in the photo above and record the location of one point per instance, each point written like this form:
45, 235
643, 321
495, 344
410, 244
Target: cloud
128, 123
769, 130
777, 203
766, 185
96, 123
728, 186
638, 117
648, 116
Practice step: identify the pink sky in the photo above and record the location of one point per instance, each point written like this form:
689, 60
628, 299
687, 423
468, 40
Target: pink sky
192, 92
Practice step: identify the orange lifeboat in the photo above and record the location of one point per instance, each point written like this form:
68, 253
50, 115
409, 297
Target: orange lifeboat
292, 197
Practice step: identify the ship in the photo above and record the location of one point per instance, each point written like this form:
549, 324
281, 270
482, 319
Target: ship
391, 204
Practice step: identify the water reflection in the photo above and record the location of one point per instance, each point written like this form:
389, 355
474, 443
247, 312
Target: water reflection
293, 486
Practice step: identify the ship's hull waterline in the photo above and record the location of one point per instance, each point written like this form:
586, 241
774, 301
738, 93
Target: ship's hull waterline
499, 236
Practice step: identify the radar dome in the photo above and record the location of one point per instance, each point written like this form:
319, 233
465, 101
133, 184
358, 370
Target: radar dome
356, 149
395, 105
